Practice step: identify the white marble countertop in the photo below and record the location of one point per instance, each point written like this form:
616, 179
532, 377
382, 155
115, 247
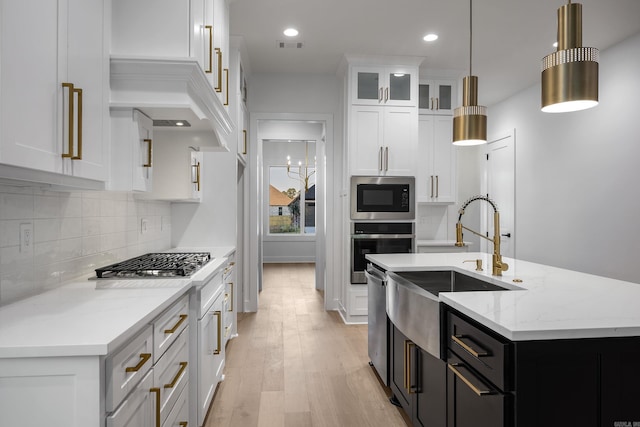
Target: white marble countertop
549, 303
94, 317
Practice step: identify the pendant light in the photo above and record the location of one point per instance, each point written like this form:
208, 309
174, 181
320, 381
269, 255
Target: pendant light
470, 120
570, 75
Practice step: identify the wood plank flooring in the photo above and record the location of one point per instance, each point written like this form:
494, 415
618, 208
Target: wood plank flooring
295, 365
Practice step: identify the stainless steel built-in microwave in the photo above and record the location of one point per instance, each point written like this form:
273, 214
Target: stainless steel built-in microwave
382, 197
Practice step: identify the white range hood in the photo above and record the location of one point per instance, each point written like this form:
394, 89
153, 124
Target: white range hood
170, 88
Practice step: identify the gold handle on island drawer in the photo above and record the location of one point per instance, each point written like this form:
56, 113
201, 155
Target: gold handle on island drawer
156, 391
143, 359
226, 73
219, 348
408, 345
475, 389
231, 289
183, 366
210, 29
458, 340
149, 151
218, 88
183, 317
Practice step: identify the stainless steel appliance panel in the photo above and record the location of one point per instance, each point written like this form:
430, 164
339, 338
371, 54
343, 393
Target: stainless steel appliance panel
378, 328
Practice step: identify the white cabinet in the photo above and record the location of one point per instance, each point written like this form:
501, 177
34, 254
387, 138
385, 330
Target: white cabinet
383, 140
131, 151
437, 97
54, 86
238, 101
389, 85
436, 177
178, 170
230, 296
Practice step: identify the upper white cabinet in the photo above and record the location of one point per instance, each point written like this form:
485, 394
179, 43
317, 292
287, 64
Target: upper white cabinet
131, 151
54, 88
238, 93
392, 85
178, 169
436, 176
437, 96
383, 141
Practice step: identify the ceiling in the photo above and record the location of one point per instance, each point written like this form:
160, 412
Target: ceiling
510, 37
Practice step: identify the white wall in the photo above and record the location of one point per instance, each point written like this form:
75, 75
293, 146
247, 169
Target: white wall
73, 234
577, 174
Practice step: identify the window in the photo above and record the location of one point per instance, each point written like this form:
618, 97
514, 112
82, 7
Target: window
290, 205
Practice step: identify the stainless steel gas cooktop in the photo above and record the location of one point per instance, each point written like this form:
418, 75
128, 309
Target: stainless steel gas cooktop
163, 264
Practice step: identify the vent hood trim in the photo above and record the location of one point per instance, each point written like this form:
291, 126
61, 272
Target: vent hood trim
156, 83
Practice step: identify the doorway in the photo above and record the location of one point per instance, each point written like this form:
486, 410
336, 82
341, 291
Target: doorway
299, 235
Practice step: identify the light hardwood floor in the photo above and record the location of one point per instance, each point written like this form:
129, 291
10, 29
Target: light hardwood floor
294, 364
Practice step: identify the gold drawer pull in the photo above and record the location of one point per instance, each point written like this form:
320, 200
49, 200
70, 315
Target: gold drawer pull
183, 317
143, 359
219, 347
408, 346
210, 29
231, 289
157, 393
149, 152
458, 340
475, 389
183, 366
244, 136
79, 92
183, 423
226, 73
218, 88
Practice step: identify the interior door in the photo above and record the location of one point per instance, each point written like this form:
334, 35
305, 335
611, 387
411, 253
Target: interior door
500, 186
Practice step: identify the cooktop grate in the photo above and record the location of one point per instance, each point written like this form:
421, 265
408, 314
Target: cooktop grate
163, 264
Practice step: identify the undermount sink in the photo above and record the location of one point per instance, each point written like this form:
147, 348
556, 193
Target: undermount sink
414, 307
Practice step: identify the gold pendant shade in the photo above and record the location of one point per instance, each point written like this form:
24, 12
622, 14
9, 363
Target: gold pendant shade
570, 75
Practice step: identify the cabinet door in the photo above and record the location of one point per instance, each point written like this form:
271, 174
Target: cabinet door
205, 39
210, 357
243, 132
436, 179
138, 409
366, 140
393, 86
367, 86
66, 46
399, 372
400, 141
431, 400
401, 87
143, 153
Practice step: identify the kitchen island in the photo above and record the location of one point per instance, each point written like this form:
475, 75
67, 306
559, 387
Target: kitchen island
555, 348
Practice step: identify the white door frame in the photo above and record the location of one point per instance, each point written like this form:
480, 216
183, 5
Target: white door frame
324, 195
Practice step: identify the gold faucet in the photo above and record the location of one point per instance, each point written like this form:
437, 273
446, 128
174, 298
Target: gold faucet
497, 265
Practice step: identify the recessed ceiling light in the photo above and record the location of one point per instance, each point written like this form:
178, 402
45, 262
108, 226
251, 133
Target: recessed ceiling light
290, 32
430, 37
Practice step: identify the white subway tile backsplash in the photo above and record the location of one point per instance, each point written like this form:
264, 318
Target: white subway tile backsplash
73, 234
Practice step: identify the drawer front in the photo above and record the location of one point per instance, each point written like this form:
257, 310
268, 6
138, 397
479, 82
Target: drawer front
138, 409
168, 326
179, 415
483, 352
472, 401
126, 367
209, 293
171, 373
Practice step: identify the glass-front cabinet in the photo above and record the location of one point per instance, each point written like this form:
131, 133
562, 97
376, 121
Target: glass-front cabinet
394, 86
437, 97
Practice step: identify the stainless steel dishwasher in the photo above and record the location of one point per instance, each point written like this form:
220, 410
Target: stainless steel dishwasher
378, 331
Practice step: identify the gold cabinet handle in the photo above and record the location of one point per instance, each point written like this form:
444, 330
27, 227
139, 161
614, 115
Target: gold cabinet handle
78, 91
380, 159
210, 29
183, 423
231, 305
244, 136
475, 389
432, 186
149, 151
386, 94
380, 96
432, 103
458, 340
437, 186
156, 391
143, 359
386, 159
219, 86
437, 104
183, 317
219, 315
226, 73
408, 347
183, 366
71, 117
197, 176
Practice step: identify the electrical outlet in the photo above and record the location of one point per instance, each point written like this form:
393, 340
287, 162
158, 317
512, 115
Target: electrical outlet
26, 237
144, 225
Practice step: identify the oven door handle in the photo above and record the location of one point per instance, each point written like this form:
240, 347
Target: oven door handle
383, 236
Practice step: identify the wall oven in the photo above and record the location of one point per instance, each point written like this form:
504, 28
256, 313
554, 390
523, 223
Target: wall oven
382, 198
378, 238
